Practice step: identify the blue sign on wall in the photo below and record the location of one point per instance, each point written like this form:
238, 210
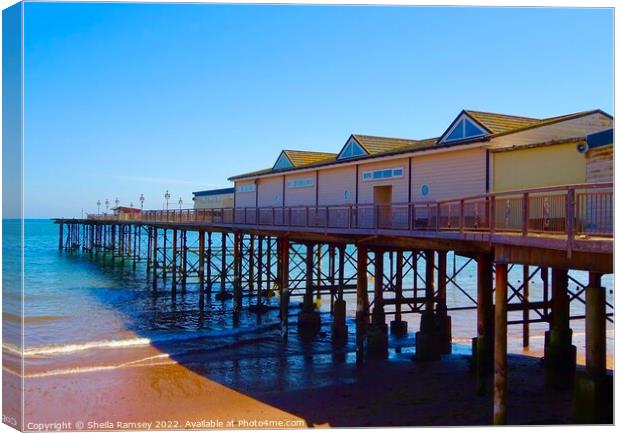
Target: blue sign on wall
424, 190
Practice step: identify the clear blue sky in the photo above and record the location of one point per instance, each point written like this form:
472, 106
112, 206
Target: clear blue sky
127, 99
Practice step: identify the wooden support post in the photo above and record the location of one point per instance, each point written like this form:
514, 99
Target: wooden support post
209, 255
269, 264
595, 327
526, 306
309, 321
482, 347
164, 257
593, 402
60, 236
376, 334
340, 331
341, 256
259, 273
154, 257
427, 339
184, 260
251, 276
398, 327
283, 259
224, 269
560, 355
174, 261
201, 268
361, 318
331, 271
319, 270
501, 339
237, 258
308, 294
149, 249
378, 313
444, 322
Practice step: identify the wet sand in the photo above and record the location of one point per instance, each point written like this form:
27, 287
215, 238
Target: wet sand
321, 390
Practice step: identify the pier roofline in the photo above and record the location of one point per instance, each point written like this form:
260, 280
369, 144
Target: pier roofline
491, 125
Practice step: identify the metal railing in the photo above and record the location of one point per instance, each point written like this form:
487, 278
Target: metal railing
571, 210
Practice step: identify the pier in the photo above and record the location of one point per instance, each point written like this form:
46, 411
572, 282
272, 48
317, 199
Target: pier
311, 253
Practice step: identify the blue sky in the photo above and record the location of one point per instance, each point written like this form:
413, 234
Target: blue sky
125, 99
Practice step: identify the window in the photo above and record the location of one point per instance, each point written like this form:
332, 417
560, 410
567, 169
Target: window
465, 128
246, 188
282, 163
351, 150
301, 183
388, 173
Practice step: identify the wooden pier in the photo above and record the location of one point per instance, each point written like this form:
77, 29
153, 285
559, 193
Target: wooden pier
311, 253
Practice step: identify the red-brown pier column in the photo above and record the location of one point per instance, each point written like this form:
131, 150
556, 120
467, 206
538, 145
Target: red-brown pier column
361, 313
560, 354
594, 388
501, 344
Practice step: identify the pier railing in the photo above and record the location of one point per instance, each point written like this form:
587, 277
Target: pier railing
571, 210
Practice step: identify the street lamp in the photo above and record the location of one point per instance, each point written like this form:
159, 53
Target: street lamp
117, 201
131, 204
180, 203
98, 206
107, 204
141, 201
167, 197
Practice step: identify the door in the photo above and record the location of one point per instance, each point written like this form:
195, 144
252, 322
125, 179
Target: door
382, 199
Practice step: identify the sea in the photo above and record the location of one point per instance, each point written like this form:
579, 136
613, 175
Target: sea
84, 312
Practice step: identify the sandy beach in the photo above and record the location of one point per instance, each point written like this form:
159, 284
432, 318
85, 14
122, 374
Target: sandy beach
154, 391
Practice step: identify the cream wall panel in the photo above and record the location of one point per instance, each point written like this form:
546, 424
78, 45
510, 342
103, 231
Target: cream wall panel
450, 174
305, 196
270, 192
333, 183
244, 199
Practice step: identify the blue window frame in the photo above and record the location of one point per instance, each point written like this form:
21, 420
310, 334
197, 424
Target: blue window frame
464, 129
351, 150
282, 163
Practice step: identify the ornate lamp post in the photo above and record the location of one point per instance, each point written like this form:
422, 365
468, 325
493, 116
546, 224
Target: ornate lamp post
167, 197
107, 205
141, 201
98, 206
117, 201
180, 203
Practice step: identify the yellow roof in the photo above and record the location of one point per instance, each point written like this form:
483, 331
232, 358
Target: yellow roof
300, 158
498, 123
374, 145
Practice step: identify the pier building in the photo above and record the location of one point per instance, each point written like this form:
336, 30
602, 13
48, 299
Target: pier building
222, 198
373, 225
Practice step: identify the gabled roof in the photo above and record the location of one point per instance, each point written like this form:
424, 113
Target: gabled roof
300, 158
374, 145
497, 123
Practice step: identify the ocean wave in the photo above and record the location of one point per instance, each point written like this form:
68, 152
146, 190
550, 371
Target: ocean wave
17, 318
64, 349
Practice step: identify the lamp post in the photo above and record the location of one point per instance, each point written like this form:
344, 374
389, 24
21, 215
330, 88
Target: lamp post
141, 201
107, 205
180, 203
167, 197
98, 206
131, 204
117, 201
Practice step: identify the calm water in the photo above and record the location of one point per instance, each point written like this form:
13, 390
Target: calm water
90, 312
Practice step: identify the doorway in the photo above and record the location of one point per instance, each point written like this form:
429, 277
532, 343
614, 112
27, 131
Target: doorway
382, 198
